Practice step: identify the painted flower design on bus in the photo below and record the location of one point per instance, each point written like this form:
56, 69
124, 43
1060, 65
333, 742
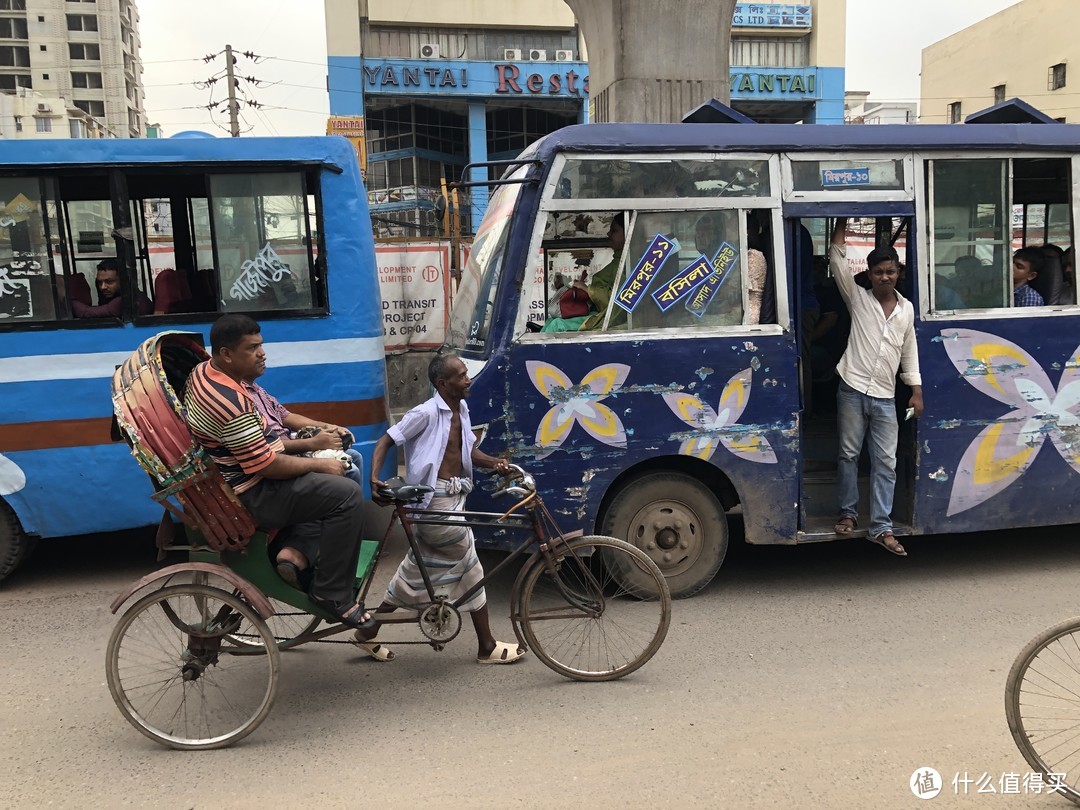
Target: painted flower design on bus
712, 428
1007, 447
12, 478
580, 404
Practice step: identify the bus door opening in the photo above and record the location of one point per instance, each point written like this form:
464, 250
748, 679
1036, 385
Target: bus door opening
822, 327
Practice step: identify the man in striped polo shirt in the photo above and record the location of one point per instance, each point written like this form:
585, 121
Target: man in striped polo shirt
323, 509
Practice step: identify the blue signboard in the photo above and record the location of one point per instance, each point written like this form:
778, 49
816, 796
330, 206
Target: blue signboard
722, 265
682, 284
771, 15
647, 267
845, 178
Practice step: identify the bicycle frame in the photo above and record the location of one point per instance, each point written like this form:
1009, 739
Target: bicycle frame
538, 522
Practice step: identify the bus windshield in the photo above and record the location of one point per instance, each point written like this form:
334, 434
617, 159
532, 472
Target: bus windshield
470, 319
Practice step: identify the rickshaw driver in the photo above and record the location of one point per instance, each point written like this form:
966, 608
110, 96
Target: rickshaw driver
323, 509
440, 453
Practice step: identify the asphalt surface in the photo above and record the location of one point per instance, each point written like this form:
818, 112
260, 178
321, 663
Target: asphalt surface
817, 676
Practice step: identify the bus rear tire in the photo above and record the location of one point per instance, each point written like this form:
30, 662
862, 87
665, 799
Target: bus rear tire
678, 522
15, 544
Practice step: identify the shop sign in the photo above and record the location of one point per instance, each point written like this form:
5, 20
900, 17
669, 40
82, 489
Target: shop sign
776, 85
351, 127
771, 15
536, 79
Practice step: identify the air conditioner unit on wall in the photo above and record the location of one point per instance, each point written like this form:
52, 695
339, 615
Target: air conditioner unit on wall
44, 108
429, 50
564, 56
537, 55
512, 54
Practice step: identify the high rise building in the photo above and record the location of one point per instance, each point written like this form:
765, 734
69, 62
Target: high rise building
84, 52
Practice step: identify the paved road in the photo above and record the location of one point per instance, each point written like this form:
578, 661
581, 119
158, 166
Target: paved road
819, 676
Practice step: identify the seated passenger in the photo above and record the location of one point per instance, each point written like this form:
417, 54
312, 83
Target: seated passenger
1027, 262
302, 436
599, 289
322, 509
110, 297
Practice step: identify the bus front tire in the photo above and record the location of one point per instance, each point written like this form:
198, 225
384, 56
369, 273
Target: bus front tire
15, 544
678, 522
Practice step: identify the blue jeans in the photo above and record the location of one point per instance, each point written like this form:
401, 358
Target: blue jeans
858, 415
356, 472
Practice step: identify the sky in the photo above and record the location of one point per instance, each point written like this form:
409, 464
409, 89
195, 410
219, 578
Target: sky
884, 44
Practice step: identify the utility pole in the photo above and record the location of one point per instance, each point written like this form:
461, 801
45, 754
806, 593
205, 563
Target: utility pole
234, 120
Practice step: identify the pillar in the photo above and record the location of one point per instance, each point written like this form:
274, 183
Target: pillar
653, 65
477, 154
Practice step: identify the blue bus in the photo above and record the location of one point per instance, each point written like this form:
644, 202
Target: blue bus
195, 227
708, 386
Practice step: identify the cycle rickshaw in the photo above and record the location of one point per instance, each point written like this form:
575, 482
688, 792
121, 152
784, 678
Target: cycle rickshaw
193, 662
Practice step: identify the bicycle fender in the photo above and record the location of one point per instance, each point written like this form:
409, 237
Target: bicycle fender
252, 594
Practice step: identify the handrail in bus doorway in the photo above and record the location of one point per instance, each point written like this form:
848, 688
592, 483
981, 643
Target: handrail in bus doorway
485, 164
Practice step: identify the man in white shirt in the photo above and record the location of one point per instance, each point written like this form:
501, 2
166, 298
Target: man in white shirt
882, 340
440, 452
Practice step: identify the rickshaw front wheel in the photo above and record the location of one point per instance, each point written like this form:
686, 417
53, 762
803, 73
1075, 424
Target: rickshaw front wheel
176, 676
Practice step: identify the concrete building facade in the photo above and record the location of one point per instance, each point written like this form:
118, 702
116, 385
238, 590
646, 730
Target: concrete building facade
426, 87
84, 52
25, 114
1028, 51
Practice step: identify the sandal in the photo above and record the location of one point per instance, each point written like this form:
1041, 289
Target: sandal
846, 524
894, 547
293, 575
373, 647
349, 614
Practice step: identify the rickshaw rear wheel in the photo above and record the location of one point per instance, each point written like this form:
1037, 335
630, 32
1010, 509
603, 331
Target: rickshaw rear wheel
175, 675
678, 522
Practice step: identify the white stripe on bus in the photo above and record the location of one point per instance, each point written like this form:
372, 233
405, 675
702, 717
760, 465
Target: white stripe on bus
102, 364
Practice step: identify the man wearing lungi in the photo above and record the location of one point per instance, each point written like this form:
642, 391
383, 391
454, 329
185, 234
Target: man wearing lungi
439, 452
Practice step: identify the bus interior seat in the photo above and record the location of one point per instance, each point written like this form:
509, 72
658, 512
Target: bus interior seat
78, 289
1050, 281
171, 292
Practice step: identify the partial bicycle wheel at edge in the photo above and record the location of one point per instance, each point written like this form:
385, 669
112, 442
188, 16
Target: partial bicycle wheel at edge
581, 621
176, 677
1042, 705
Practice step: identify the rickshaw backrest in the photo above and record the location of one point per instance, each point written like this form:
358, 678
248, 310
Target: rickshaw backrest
148, 400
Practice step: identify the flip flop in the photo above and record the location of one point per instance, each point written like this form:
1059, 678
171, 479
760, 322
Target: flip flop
502, 654
895, 548
842, 527
376, 649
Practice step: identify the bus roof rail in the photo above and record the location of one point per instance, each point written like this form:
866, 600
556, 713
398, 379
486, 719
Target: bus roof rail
485, 164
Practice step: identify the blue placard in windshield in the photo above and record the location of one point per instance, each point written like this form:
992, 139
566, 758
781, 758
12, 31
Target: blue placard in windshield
845, 178
645, 271
722, 264
677, 288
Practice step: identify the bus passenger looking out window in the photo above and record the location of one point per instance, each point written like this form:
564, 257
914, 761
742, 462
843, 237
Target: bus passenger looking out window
1027, 263
110, 295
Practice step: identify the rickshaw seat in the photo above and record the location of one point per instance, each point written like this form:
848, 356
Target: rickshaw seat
147, 391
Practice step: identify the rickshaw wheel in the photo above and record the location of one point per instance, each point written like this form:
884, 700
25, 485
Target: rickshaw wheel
175, 676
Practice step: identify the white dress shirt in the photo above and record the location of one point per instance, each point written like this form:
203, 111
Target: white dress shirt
424, 431
877, 345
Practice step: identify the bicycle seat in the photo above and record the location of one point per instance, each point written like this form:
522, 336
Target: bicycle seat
400, 490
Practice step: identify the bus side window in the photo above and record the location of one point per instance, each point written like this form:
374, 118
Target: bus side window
980, 221
27, 291
707, 282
